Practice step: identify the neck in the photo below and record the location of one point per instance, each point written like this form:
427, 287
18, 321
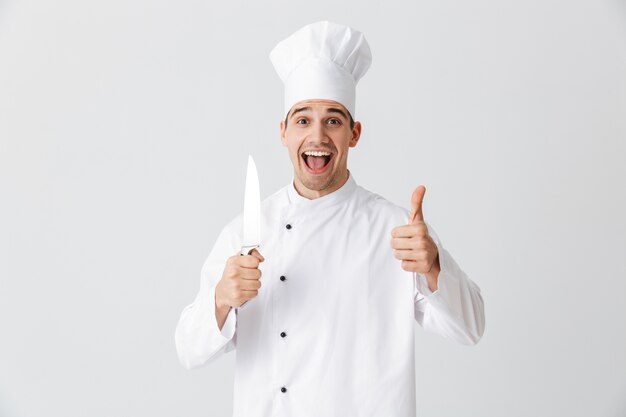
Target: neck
313, 194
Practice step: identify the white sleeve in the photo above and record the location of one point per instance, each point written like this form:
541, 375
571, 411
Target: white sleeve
198, 338
456, 309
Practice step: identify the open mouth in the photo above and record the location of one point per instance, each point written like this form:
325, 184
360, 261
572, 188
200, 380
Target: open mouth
317, 161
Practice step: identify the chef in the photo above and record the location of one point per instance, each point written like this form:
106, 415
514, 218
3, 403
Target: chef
342, 274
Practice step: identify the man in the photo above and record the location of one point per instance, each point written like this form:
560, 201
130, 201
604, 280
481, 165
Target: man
332, 301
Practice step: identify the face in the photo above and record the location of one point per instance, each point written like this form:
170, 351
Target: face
322, 127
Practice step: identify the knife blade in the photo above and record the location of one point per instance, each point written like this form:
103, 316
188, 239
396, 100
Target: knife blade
251, 213
251, 210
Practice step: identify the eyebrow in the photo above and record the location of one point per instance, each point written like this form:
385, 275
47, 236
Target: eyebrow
337, 110
329, 110
298, 110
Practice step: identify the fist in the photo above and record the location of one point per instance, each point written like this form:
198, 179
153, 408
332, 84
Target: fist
411, 243
240, 280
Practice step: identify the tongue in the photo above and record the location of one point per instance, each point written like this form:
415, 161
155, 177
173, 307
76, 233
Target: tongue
316, 162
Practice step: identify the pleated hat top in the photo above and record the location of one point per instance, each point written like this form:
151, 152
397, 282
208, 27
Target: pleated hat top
322, 60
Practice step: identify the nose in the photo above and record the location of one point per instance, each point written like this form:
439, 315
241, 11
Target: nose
318, 134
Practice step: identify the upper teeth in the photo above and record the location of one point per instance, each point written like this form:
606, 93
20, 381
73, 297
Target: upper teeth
317, 153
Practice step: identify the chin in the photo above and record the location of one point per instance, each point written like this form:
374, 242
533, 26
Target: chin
317, 183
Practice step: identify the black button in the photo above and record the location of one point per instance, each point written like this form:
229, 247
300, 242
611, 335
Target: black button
282, 278
283, 389
288, 226
283, 334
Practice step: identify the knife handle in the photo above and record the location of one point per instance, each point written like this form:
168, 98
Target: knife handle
245, 250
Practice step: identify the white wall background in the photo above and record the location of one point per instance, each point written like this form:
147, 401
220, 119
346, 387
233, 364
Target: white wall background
124, 131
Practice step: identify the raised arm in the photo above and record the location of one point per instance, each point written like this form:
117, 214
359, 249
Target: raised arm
199, 338
447, 302
455, 309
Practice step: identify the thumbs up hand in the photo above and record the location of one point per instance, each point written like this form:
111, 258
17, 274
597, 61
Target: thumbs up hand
413, 245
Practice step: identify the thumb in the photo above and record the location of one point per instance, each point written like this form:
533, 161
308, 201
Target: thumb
416, 205
257, 254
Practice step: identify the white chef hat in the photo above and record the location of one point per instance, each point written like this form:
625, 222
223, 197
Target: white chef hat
322, 60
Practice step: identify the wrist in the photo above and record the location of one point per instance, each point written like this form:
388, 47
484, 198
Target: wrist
432, 276
219, 304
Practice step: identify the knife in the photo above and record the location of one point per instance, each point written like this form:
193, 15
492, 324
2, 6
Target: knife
251, 212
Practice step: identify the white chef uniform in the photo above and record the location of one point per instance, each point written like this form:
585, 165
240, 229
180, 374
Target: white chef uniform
331, 332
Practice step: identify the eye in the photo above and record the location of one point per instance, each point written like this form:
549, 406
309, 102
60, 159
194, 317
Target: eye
334, 121
301, 121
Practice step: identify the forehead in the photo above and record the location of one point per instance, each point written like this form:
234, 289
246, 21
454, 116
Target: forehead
318, 105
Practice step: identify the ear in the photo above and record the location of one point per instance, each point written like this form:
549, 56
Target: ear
283, 139
356, 134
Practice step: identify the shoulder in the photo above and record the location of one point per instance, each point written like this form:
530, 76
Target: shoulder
386, 213
269, 206
379, 207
